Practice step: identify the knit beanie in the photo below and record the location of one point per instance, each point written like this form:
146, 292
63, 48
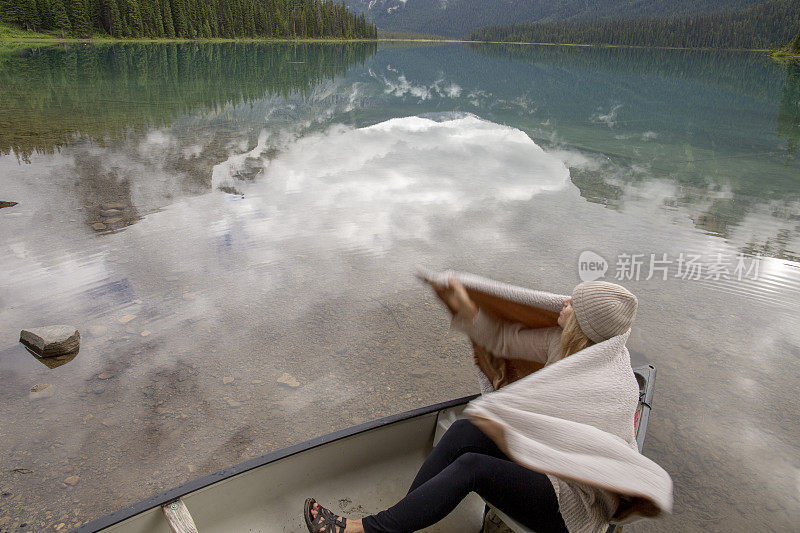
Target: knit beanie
603, 309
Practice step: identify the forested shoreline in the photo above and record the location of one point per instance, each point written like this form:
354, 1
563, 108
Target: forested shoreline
764, 26
188, 19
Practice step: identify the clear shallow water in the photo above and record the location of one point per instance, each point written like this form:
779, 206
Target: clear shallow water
210, 212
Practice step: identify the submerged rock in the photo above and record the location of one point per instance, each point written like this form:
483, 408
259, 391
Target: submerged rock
40, 391
51, 341
126, 319
288, 379
98, 331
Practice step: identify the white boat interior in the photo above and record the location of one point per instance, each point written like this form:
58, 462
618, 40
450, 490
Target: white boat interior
354, 472
354, 476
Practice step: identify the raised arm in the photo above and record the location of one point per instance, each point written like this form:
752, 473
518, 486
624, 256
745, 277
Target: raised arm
510, 340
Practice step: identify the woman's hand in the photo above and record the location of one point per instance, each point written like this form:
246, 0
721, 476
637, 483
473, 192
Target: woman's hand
457, 298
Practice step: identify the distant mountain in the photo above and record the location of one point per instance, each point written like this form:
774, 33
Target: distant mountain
455, 18
763, 26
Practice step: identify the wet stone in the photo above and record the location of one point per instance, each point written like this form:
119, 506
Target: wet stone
289, 380
126, 319
98, 331
72, 480
41, 391
105, 375
51, 341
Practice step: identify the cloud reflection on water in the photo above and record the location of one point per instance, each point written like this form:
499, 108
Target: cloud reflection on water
374, 184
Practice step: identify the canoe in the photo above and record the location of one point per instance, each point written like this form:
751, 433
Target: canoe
355, 471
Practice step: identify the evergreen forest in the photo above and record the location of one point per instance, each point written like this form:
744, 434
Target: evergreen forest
189, 19
768, 25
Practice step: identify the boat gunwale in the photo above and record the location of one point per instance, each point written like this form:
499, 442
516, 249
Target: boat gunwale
194, 485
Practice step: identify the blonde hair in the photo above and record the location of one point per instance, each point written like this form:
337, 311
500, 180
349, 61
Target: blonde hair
573, 339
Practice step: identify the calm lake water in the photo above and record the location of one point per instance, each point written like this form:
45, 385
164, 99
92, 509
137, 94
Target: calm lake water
234, 229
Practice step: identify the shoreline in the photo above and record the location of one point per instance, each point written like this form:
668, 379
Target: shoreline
161, 40
12, 35
600, 45
157, 40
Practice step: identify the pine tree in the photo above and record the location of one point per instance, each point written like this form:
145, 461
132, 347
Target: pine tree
61, 21
179, 21
110, 19
155, 16
46, 18
23, 13
132, 14
79, 17
166, 16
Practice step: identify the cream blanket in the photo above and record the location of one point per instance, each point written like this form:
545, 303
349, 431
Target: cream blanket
572, 419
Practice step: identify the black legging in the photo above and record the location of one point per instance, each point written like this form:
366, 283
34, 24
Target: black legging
466, 460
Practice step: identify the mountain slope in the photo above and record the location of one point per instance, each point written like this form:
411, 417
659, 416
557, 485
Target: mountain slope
766, 25
455, 18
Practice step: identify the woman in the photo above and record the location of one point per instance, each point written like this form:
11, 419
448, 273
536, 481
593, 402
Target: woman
467, 459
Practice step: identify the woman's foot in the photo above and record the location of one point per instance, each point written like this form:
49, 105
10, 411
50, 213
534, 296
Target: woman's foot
322, 520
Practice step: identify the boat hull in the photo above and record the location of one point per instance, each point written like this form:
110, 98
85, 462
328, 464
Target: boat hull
355, 472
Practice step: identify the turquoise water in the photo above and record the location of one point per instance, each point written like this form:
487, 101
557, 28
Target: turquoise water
234, 228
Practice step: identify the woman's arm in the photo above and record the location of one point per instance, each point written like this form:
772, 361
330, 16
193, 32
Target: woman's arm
508, 340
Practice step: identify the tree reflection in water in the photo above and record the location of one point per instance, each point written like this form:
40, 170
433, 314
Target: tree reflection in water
52, 95
788, 127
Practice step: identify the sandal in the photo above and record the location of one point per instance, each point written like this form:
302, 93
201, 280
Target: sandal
325, 521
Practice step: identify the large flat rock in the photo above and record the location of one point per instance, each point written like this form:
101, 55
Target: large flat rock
51, 341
